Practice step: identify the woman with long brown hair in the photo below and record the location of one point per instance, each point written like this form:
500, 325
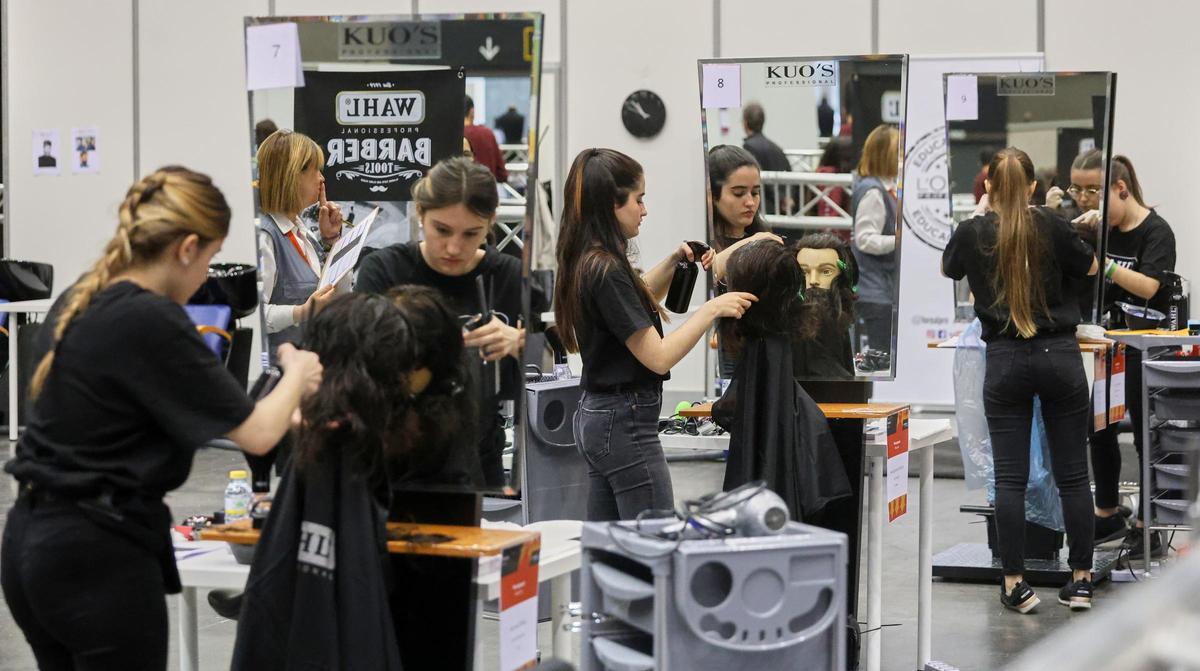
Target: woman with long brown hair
612, 317
124, 397
1018, 260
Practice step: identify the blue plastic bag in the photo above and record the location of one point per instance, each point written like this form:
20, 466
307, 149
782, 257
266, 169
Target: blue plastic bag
1042, 503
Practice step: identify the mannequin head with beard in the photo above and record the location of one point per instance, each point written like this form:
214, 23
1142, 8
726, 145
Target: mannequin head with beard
828, 268
769, 271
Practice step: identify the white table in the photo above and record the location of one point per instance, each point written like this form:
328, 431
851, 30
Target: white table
210, 565
923, 434
17, 309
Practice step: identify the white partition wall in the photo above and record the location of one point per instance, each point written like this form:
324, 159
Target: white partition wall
780, 28
83, 77
957, 27
1157, 99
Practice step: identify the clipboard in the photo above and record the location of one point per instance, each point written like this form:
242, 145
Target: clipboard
343, 257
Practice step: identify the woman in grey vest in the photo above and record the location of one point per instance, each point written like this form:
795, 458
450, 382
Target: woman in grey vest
874, 241
290, 257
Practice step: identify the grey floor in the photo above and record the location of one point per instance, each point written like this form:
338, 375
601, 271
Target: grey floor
970, 628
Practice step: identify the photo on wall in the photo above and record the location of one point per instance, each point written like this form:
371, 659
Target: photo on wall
45, 151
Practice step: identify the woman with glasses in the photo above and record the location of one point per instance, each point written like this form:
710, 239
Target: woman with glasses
1141, 247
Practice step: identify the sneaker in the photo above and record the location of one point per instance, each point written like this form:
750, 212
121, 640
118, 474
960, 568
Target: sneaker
1135, 547
1022, 598
1110, 528
1077, 595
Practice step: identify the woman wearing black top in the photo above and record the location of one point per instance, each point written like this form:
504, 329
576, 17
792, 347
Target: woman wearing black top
456, 204
1141, 247
611, 316
123, 399
1017, 260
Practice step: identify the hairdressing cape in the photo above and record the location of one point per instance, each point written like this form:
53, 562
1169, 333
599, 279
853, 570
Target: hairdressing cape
317, 596
777, 433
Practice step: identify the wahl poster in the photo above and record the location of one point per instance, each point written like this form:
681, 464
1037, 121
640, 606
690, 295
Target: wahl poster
381, 131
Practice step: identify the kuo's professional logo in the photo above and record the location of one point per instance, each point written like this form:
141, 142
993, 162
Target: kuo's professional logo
371, 41
823, 73
380, 108
927, 189
1030, 84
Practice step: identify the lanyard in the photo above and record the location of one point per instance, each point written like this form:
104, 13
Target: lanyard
296, 243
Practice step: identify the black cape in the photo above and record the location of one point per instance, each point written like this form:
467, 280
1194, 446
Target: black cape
777, 433
317, 596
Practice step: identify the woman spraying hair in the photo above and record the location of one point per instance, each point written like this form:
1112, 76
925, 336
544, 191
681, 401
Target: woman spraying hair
456, 205
122, 400
1018, 260
611, 316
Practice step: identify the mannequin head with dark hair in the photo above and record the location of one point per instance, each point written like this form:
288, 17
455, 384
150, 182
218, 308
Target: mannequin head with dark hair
831, 274
768, 270
393, 383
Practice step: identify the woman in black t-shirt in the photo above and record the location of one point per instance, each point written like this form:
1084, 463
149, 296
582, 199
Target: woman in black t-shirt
611, 316
456, 205
1141, 248
122, 401
1017, 261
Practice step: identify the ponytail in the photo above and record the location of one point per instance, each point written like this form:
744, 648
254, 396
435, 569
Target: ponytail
158, 210
1017, 279
1122, 169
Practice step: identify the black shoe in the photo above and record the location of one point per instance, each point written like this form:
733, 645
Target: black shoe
1077, 595
1135, 547
1110, 529
227, 602
1022, 598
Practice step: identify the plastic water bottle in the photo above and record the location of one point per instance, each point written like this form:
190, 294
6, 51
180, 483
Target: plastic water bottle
237, 497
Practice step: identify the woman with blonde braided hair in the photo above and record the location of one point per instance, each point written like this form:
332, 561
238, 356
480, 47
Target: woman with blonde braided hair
126, 393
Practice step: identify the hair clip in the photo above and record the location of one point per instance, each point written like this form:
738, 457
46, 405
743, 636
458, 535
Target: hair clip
841, 265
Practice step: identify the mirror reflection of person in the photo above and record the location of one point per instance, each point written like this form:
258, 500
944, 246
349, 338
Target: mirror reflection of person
873, 204
821, 345
512, 124
456, 205
824, 117
482, 140
1029, 318
1141, 247
611, 315
735, 187
122, 398
768, 154
290, 258
835, 159
47, 159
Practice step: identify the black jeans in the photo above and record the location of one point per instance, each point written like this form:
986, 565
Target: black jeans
875, 321
617, 434
84, 597
1051, 368
491, 449
1106, 454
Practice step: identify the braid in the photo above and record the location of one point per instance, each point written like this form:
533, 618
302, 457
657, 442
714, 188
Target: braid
167, 197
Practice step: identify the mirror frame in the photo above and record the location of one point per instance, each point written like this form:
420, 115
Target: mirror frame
903, 60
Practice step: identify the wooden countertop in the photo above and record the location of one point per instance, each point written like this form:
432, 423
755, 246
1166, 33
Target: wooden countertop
404, 538
1083, 346
831, 410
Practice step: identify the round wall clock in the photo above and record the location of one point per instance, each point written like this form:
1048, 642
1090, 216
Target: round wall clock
643, 114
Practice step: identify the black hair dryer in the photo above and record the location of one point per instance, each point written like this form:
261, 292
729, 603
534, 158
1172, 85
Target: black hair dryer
679, 296
1175, 288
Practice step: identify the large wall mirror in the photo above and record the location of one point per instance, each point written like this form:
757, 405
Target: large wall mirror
811, 150
385, 99
1063, 120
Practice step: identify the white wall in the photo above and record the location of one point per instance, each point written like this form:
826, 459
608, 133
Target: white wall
958, 27
766, 28
82, 76
1156, 99
613, 49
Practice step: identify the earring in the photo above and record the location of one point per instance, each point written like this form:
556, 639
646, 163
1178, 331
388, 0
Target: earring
1124, 195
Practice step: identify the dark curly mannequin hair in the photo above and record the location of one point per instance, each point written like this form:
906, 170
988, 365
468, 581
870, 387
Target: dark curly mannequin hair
822, 306
768, 270
367, 351
444, 415
370, 347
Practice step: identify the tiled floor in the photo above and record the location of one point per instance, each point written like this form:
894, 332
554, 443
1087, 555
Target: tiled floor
971, 630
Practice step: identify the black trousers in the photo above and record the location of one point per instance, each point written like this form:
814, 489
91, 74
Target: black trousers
84, 597
491, 450
875, 320
1051, 368
1106, 455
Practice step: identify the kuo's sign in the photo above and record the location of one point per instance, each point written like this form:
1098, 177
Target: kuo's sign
813, 73
1028, 84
